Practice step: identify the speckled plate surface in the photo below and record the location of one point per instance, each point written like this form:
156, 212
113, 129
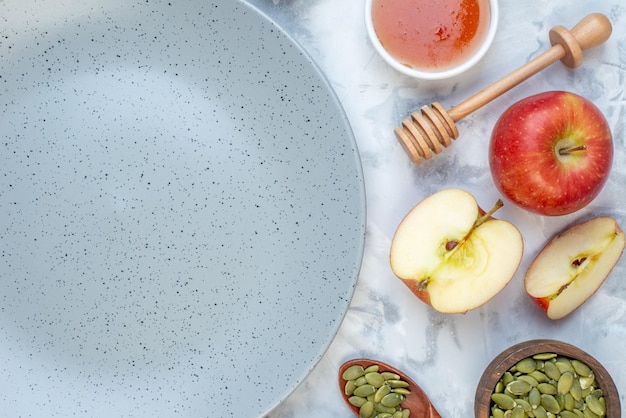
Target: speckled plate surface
182, 210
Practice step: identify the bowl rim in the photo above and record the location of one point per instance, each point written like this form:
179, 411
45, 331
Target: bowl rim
507, 358
434, 75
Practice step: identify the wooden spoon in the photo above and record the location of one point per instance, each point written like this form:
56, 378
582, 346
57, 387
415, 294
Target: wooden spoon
417, 401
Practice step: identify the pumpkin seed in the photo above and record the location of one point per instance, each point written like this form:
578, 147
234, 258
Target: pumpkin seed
349, 387
365, 391
581, 368
540, 412
544, 356
390, 376
526, 365
550, 403
375, 379
353, 372
552, 371
370, 369
381, 393
595, 405
518, 412
367, 410
534, 398
519, 387
397, 384
547, 388
568, 414
497, 413
504, 401
357, 401
565, 382
392, 399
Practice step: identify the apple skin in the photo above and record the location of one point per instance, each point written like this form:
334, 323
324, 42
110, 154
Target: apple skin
452, 255
573, 265
524, 154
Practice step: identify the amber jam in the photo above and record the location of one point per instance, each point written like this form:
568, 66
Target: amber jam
431, 35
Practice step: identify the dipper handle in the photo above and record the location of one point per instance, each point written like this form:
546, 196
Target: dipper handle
567, 46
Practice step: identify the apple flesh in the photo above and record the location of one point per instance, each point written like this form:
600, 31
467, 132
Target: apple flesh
573, 265
551, 153
452, 255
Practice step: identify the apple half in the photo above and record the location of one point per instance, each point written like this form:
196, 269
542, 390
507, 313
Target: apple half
453, 255
573, 265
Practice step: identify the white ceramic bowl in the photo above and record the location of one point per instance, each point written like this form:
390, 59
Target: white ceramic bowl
434, 74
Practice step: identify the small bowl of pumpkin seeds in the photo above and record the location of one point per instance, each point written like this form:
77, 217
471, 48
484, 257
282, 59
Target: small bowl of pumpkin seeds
546, 379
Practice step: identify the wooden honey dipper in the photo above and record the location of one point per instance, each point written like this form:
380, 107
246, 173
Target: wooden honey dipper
432, 129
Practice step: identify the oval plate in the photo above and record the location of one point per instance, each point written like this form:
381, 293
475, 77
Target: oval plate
182, 210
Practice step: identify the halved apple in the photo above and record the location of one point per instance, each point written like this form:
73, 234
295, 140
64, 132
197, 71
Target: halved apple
452, 255
573, 265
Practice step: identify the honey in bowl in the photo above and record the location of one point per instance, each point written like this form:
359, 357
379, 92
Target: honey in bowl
431, 35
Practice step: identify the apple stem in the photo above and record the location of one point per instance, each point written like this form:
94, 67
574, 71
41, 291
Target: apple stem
567, 151
454, 244
488, 215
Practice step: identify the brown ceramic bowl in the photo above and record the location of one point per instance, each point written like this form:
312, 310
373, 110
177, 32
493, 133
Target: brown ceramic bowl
509, 357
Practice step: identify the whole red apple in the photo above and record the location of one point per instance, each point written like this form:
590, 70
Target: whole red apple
551, 153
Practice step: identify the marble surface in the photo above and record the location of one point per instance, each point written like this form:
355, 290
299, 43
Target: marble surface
446, 354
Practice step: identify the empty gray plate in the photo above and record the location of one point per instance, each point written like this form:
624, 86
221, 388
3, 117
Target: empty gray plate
181, 210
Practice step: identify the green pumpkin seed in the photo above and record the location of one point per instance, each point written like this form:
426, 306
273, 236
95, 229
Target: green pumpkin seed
349, 387
397, 384
565, 382
402, 391
519, 387
393, 399
390, 376
568, 402
397, 414
528, 379
544, 356
497, 413
540, 412
552, 371
371, 369
595, 405
524, 404
507, 378
576, 391
406, 413
381, 393
550, 403
539, 376
564, 365
518, 412
587, 381
547, 388
588, 413
364, 391
357, 401
527, 365
353, 372
503, 400
375, 379
568, 414
534, 398
581, 368
367, 410
378, 407
360, 381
